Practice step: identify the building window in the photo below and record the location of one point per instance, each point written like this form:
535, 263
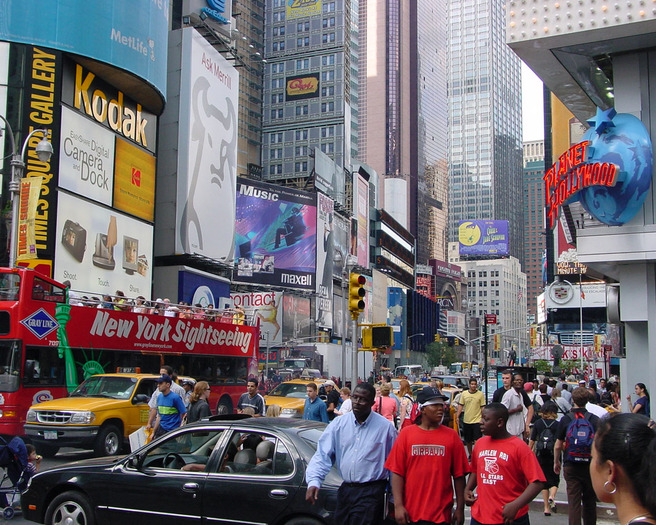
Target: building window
276, 114
279, 46
302, 26
328, 60
276, 98
327, 106
278, 68
279, 16
329, 7
279, 31
275, 153
329, 22
275, 138
328, 91
327, 38
302, 110
327, 132
300, 151
300, 166
303, 63
277, 83
328, 147
301, 134
275, 169
303, 41
328, 76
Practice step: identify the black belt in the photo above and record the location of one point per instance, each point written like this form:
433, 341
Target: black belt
365, 484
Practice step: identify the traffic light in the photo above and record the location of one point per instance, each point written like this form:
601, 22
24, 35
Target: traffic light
377, 337
356, 293
437, 338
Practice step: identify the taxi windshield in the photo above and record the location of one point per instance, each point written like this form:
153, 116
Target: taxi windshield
106, 386
290, 390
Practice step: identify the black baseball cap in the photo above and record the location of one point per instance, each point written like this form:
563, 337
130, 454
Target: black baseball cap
430, 396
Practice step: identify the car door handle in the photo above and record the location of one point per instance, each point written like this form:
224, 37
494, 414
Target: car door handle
190, 487
278, 494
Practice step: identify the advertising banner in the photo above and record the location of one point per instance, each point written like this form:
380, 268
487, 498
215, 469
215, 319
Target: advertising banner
41, 109
134, 38
207, 155
338, 316
483, 238
297, 318
341, 237
302, 86
302, 8
276, 235
325, 261
30, 189
86, 158
102, 251
134, 180
328, 176
195, 289
265, 308
363, 221
396, 315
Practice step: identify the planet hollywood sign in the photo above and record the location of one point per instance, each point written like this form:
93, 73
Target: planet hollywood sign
609, 172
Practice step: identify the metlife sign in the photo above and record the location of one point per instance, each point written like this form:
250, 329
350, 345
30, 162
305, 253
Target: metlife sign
86, 160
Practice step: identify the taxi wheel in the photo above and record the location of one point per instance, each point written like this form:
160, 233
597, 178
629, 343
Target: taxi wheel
303, 521
109, 441
48, 451
70, 508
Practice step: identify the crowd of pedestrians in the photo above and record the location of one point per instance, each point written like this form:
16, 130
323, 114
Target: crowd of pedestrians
510, 450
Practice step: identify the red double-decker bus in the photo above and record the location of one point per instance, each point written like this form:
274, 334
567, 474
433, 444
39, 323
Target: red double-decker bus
48, 347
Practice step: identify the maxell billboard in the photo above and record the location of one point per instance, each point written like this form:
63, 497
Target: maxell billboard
276, 235
207, 150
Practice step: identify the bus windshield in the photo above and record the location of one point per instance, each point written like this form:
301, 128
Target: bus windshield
9, 287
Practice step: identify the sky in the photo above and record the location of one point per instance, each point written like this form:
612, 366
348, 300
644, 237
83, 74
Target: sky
532, 116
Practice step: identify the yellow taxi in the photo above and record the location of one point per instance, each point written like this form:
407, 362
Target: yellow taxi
100, 414
291, 395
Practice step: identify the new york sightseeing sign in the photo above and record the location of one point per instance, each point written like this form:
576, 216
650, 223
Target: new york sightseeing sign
609, 171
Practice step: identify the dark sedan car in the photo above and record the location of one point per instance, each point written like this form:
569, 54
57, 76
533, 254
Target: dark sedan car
243, 471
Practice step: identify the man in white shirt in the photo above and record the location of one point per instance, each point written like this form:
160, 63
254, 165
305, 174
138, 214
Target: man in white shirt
517, 424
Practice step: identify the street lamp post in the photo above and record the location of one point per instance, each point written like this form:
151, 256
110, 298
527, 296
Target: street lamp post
345, 262
407, 349
44, 152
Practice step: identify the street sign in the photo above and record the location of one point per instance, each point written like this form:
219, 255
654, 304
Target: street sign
490, 318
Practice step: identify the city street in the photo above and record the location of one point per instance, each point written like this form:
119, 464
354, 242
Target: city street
604, 516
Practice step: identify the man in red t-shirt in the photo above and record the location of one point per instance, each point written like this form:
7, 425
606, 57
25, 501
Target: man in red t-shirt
506, 472
427, 460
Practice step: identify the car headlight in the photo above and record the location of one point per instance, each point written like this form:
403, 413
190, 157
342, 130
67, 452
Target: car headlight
290, 411
31, 416
85, 417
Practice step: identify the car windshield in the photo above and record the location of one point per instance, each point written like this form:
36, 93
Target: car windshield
106, 386
290, 390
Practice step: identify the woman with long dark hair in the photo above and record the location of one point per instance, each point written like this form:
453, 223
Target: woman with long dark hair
641, 406
623, 467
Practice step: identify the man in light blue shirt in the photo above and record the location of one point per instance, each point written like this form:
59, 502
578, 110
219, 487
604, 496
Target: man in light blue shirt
359, 441
314, 409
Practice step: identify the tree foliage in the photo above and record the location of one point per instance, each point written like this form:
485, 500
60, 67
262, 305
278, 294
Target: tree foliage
440, 353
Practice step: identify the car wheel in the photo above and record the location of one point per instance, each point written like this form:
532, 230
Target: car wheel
48, 451
70, 508
109, 441
224, 407
303, 521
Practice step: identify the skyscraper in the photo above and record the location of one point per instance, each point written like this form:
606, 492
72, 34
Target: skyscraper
402, 112
484, 100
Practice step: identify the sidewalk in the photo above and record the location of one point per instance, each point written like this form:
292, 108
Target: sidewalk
605, 512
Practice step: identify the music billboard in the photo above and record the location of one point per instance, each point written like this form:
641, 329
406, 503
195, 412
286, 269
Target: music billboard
275, 235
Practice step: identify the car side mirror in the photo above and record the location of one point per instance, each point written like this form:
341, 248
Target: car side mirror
140, 399
134, 462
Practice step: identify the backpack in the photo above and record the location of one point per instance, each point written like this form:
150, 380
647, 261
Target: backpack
414, 411
578, 440
544, 444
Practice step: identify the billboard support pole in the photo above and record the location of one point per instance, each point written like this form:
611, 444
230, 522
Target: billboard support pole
485, 354
354, 346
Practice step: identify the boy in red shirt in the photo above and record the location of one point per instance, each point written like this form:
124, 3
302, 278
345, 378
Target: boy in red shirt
427, 461
506, 472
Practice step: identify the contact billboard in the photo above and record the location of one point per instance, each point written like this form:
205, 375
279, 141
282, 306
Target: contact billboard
483, 238
325, 260
275, 235
102, 250
132, 38
266, 309
207, 150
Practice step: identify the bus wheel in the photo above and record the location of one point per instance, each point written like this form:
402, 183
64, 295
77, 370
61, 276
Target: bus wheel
109, 441
48, 451
224, 407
